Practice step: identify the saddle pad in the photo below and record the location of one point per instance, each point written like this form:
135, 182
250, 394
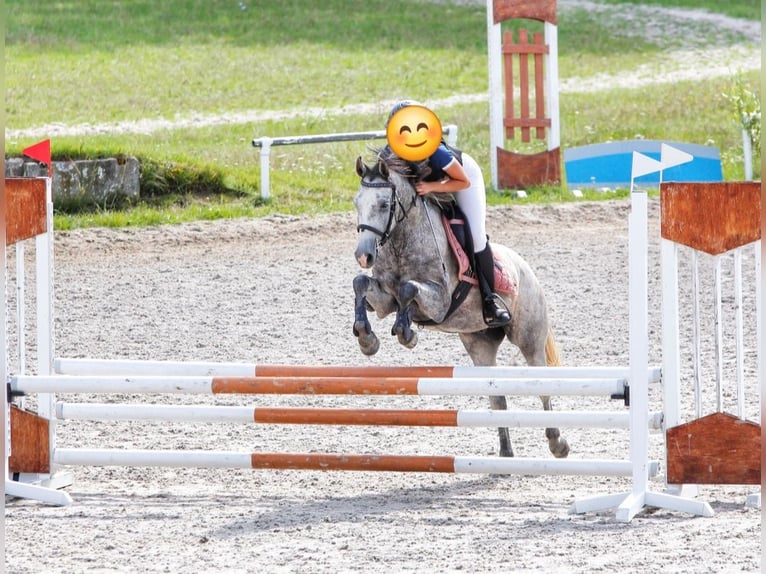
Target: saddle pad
503, 280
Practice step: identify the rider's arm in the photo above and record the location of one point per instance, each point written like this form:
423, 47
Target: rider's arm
457, 181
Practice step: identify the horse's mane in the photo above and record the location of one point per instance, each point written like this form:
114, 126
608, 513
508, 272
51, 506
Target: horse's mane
413, 171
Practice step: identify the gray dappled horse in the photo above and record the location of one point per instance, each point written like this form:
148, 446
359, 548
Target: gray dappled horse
414, 274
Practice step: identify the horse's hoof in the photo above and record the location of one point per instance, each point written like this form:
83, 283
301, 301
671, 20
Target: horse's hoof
507, 453
361, 327
370, 348
409, 343
560, 448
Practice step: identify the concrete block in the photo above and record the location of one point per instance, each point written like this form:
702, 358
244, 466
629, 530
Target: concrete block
14, 167
97, 179
85, 179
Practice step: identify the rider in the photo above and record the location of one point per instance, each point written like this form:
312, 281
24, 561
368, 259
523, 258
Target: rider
459, 173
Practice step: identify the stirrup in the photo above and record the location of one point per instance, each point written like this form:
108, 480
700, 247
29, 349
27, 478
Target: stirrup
496, 312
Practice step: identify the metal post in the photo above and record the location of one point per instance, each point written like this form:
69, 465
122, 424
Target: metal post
451, 133
265, 162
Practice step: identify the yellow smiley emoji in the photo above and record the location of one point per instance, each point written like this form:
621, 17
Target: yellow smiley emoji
414, 132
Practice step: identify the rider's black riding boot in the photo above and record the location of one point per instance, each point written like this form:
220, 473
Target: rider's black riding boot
496, 313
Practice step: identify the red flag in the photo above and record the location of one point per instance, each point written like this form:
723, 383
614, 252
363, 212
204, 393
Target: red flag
41, 152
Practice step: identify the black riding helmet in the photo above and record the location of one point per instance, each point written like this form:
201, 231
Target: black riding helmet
398, 106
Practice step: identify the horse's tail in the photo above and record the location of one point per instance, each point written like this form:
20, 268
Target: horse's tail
552, 358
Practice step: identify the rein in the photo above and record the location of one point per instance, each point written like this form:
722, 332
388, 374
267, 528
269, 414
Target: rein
385, 234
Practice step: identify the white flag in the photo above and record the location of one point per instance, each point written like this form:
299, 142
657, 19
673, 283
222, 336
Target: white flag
671, 157
643, 164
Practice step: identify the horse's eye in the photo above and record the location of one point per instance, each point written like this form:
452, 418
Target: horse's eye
384, 205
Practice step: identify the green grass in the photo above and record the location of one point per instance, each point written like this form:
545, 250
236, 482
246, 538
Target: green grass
181, 210
747, 9
92, 62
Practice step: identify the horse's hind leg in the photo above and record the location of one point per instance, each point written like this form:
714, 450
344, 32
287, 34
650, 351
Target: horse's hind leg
557, 444
482, 348
539, 349
501, 404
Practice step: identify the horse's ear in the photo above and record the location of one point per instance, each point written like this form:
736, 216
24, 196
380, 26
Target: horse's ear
383, 169
361, 169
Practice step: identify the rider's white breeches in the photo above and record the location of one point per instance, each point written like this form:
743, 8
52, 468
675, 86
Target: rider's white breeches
473, 202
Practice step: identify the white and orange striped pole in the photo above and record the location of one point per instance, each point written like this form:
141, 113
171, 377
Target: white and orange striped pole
337, 416
478, 386
345, 462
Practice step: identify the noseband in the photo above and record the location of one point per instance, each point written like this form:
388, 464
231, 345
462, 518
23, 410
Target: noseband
385, 234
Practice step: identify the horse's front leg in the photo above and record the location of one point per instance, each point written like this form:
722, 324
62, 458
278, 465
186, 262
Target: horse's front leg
403, 325
368, 293
432, 301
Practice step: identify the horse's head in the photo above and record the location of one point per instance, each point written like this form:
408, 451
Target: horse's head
383, 200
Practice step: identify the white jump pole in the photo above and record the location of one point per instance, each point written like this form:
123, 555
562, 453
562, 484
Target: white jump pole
250, 415
638, 328
495, 59
267, 143
718, 317
739, 333
128, 367
244, 460
552, 84
254, 385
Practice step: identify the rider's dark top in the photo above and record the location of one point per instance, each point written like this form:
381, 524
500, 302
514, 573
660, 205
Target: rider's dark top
439, 161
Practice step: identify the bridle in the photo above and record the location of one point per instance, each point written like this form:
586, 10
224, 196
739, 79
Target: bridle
385, 234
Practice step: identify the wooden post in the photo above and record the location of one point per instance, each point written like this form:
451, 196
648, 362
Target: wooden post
711, 217
716, 449
514, 170
26, 209
30, 448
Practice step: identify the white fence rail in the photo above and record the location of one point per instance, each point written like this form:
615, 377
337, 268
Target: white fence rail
266, 143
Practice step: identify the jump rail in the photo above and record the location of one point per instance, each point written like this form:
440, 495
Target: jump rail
90, 367
266, 143
377, 417
29, 384
315, 461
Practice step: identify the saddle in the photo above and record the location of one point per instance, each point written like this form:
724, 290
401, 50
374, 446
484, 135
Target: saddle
459, 239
